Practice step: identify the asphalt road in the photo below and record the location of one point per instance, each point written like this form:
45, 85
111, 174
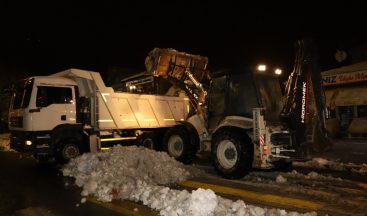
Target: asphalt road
29, 188
346, 151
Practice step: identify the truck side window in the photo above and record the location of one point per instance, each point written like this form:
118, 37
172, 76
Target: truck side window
53, 95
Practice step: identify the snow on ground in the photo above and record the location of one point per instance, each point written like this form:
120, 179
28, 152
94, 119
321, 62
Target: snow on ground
362, 170
313, 175
283, 178
322, 163
4, 142
140, 174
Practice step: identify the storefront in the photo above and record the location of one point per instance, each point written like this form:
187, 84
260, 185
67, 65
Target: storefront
346, 99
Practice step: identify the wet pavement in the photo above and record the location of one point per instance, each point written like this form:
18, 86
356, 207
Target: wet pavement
30, 188
346, 151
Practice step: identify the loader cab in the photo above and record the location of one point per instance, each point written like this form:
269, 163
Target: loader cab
235, 92
42, 103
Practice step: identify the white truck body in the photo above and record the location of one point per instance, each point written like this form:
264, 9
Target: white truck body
35, 121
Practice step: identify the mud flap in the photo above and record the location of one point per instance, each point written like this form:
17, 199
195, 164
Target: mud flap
94, 144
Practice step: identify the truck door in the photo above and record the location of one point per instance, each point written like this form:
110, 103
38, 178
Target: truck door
55, 106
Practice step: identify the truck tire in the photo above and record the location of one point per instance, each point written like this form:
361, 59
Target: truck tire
177, 143
67, 149
232, 154
148, 140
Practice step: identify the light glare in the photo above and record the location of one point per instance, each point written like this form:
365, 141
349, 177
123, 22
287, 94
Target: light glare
278, 71
261, 67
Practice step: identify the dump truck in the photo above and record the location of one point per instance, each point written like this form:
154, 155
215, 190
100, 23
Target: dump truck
71, 112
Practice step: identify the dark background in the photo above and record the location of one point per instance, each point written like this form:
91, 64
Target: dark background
39, 38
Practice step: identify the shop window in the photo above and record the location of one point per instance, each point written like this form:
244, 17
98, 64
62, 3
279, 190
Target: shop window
362, 111
346, 116
331, 113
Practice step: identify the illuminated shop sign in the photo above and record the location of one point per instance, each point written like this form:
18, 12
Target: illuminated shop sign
359, 76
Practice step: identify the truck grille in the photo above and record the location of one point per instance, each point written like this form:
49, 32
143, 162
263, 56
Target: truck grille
16, 121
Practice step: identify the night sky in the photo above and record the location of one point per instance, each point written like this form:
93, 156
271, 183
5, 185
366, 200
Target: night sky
39, 38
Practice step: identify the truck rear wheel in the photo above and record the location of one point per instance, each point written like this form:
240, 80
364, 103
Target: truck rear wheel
232, 154
148, 140
176, 142
67, 149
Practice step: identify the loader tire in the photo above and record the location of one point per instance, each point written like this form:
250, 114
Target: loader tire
177, 143
232, 154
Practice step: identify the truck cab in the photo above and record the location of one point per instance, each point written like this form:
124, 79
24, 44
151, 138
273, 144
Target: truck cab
235, 92
40, 105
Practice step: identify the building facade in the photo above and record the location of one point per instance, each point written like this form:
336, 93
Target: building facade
346, 99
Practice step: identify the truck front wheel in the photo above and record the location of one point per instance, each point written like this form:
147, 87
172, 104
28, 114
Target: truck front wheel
66, 150
232, 154
176, 142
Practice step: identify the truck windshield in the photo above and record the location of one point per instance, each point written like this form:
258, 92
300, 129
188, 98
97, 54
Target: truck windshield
22, 94
242, 95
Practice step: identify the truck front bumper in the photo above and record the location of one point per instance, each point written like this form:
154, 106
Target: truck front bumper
35, 143
22, 141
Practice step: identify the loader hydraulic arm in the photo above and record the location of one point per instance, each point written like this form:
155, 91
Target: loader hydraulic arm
182, 69
304, 109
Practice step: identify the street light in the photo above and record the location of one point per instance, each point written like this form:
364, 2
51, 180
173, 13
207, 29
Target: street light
261, 67
278, 71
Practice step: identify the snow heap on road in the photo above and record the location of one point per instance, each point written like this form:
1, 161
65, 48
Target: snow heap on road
140, 174
114, 174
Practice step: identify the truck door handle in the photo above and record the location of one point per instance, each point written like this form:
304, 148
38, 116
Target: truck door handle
63, 118
35, 110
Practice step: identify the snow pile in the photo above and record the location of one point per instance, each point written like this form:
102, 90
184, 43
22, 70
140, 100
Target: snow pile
280, 179
113, 174
200, 202
203, 202
139, 174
